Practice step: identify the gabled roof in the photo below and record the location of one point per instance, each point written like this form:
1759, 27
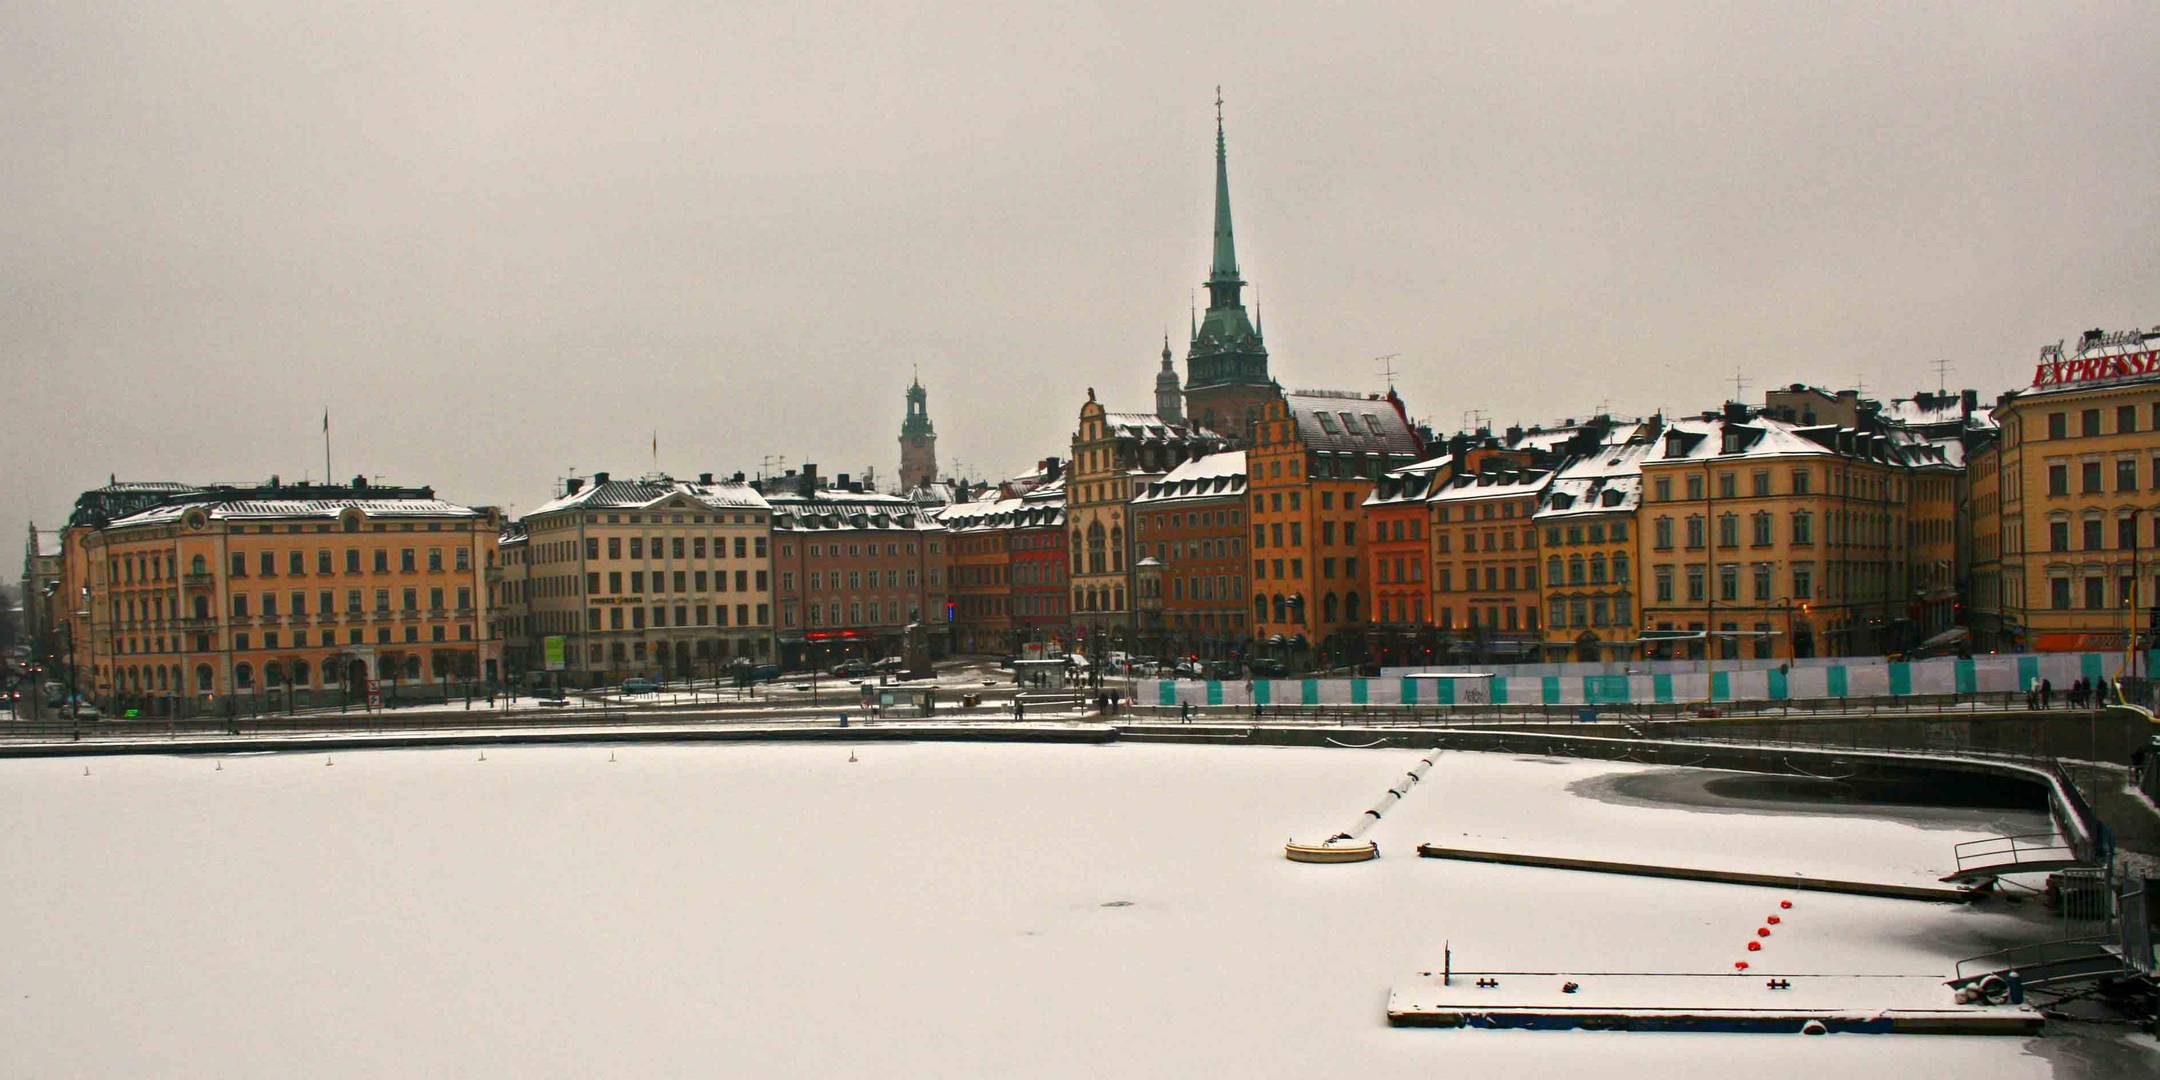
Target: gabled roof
1608, 481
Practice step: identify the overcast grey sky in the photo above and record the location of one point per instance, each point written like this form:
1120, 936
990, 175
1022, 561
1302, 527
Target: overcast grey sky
499, 241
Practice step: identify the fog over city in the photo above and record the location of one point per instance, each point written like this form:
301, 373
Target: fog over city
502, 241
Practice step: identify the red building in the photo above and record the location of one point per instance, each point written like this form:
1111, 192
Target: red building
1041, 597
1191, 522
852, 569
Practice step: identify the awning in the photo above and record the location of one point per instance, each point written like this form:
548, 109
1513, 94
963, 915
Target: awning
1954, 634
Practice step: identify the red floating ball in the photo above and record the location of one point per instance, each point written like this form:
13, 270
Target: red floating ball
1740, 964
1784, 903
1772, 920
1762, 931
1754, 946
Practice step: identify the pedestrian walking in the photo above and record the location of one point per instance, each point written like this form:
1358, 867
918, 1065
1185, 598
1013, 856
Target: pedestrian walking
2047, 693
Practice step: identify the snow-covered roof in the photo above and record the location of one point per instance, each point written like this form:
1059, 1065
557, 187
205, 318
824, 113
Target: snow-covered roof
653, 491
1210, 476
1474, 487
1409, 484
834, 509
1608, 481
260, 509
991, 515
1342, 422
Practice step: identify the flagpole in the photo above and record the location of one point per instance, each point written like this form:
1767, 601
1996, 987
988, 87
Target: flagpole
328, 476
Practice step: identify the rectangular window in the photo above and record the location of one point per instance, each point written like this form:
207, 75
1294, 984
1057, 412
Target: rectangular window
2059, 593
2058, 425
2092, 534
2126, 474
1801, 478
2089, 422
1803, 582
2089, 477
2058, 536
434, 560
322, 561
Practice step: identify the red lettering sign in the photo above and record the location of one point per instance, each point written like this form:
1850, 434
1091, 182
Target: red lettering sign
2094, 368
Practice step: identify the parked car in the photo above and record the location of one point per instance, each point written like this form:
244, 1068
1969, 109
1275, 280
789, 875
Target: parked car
850, 669
765, 673
640, 686
1268, 667
890, 663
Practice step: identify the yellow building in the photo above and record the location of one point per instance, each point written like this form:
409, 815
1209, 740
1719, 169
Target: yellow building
2074, 480
1587, 536
227, 600
649, 577
1774, 539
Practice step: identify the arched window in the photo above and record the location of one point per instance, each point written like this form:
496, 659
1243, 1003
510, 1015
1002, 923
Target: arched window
1620, 567
198, 566
412, 667
1328, 612
1282, 609
204, 678
1574, 570
1259, 609
300, 673
1353, 608
386, 667
1597, 569
1552, 569
1117, 598
1117, 548
243, 676
273, 674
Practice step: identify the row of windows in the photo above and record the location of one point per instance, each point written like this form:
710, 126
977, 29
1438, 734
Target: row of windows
1800, 482
1596, 532
2090, 476
1763, 575
2093, 532
325, 561
297, 602
685, 615
2088, 426
684, 581
1761, 526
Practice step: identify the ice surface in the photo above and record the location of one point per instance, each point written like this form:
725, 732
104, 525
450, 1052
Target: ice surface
926, 910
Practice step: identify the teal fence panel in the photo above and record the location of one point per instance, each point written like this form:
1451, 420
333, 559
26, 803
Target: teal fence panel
1499, 691
1901, 680
1551, 689
1836, 677
1166, 693
1968, 677
1309, 693
1661, 689
1214, 692
1721, 686
1357, 692
1409, 691
1263, 691
2093, 667
2028, 672
1779, 689
1606, 689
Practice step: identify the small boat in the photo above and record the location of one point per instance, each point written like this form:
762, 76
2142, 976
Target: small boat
1332, 852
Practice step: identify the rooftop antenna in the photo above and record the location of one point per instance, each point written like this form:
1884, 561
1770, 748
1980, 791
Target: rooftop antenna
1739, 385
1942, 376
1472, 418
1387, 368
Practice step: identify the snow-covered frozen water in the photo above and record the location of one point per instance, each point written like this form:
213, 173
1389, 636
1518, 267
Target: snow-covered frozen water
946, 909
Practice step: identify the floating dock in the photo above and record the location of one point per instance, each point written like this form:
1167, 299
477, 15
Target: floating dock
1932, 893
1749, 1002
1332, 852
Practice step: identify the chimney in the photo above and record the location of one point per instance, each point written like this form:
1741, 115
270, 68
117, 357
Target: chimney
574, 485
809, 478
843, 481
1736, 412
274, 480
1514, 434
704, 478
738, 477
359, 483
599, 478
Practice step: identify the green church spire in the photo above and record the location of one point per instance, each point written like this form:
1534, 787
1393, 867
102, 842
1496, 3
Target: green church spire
1225, 269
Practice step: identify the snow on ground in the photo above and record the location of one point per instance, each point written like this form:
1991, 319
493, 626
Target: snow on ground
965, 909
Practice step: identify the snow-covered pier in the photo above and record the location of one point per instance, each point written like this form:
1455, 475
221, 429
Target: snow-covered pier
1741, 1002
1798, 882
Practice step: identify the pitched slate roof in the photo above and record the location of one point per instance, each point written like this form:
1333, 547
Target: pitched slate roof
1211, 476
1340, 422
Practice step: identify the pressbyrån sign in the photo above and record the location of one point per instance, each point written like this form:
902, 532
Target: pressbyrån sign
2095, 368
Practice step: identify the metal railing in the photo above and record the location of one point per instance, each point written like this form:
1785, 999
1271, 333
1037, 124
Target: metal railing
2045, 962
2004, 854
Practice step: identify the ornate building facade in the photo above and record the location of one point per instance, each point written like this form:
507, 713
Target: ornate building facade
1227, 383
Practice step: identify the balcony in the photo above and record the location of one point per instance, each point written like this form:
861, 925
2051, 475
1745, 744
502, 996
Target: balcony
202, 580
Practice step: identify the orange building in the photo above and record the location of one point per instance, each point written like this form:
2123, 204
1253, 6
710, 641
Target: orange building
1485, 555
1315, 459
228, 600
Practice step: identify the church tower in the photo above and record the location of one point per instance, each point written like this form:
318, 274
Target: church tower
1169, 404
1227, 381
918, 440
